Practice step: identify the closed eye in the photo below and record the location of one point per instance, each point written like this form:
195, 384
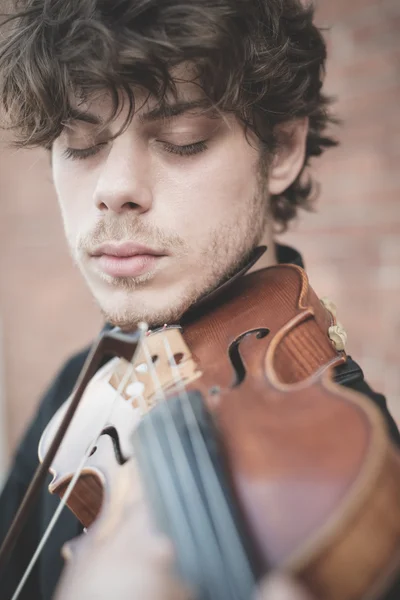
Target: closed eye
187, 149
82, 153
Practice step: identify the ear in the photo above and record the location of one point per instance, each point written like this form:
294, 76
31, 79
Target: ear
289, 155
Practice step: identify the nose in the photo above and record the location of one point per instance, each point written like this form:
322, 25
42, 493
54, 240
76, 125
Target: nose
123, 184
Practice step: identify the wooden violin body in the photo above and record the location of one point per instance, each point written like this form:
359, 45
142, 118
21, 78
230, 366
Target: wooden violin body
314, 476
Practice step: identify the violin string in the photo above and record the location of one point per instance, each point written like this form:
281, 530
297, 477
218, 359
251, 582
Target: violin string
219, 509
181, 461
172, 500
185, 539
74, 479
171, 497
197, 546
170, 493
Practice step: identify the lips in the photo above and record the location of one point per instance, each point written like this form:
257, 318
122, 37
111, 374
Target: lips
125, 259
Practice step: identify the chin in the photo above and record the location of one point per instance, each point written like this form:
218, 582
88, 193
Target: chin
127, 309
153, 302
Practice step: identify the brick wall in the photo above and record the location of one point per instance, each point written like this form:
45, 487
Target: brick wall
351, 244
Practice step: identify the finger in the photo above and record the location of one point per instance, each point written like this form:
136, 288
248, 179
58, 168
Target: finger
126, 498
281, 587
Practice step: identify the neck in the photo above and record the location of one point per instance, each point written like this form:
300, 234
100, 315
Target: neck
268, 259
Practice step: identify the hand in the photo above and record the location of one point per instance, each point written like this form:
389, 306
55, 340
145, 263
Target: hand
121, 557
133, 564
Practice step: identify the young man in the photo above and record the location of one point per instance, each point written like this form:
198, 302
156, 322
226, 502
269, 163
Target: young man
179, 135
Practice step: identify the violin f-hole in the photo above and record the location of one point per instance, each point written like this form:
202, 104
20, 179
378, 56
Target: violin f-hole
113, 434
235, 356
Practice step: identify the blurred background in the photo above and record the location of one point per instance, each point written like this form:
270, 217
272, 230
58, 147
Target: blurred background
351, 244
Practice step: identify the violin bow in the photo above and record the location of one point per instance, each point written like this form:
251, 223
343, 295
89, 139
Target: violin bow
109, 343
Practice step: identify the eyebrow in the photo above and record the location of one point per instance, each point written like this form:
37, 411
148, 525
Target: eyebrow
169, 111
159, 113
74, 114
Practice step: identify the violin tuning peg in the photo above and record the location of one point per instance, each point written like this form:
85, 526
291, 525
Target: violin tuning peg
338, 336
337, 333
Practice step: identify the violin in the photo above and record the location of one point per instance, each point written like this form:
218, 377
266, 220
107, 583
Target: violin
251, 458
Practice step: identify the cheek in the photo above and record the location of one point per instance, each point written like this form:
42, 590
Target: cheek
209, 190
73, 190
65, 184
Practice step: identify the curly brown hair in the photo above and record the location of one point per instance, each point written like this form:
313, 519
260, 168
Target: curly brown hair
262, 59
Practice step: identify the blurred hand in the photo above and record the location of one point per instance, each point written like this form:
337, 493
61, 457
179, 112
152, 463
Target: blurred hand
124, 558
121, 557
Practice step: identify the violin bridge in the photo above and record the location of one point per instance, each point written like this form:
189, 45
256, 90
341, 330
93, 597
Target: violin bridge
163, 366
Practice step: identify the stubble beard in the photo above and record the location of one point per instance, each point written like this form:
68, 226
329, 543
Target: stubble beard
226, 250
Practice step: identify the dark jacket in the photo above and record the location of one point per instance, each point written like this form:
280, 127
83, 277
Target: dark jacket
43, 580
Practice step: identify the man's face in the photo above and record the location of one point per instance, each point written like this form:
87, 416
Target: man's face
161, 214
